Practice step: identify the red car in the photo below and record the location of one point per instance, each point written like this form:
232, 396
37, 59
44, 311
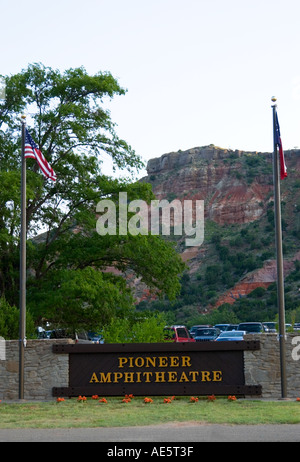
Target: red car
178, 334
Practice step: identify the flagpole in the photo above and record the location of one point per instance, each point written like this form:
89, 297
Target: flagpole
22, 325
279, 259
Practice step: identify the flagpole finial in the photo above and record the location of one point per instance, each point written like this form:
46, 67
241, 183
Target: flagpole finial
23, 118
274, 99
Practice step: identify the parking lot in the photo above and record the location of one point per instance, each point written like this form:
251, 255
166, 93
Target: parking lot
223, 332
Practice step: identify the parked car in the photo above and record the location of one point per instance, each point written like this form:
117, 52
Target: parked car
270, 326
95, 338
79, 336
194, 328
251, 327
206, 334
178, 334
234, 335
222, 327
42, 333
296, 326
232, 327
59, 333
82, 337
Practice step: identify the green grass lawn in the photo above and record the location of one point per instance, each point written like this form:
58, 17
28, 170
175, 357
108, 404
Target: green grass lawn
115, 413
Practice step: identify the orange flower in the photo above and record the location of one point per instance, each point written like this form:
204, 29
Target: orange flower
193, 399
211, 398
148, 400
126, 400
81, 399
297, 399
231, 398
95, 397
59, 400
167, 400
129, 396
102, 400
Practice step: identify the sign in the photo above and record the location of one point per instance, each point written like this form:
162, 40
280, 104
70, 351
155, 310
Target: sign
156, 369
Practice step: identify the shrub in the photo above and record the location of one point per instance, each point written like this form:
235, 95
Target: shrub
9, 321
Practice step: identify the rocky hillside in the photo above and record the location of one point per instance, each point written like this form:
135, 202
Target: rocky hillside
238, 253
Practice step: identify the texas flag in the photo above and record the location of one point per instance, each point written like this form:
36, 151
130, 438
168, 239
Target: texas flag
283, 172
32, 151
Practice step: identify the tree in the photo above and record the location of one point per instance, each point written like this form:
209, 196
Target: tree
141, 328
67, 261
9, 321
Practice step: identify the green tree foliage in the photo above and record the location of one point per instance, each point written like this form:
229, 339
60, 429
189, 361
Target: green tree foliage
9, 321
223, 315
67, 260
146, 327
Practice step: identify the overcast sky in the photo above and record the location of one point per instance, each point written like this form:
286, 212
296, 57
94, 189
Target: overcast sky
197, 72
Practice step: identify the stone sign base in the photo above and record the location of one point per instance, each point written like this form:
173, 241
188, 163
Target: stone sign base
46, 370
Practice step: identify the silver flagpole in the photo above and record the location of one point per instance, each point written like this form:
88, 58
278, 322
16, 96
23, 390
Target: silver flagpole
22, 325
279, 258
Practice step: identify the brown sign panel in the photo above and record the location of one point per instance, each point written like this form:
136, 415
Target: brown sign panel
156, 369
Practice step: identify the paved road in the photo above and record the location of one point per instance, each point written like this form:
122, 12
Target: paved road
175, 433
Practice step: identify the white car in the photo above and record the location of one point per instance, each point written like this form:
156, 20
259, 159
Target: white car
233, 335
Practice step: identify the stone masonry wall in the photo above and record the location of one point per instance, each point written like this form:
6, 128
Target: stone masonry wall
42, 370
45, 370
262, 367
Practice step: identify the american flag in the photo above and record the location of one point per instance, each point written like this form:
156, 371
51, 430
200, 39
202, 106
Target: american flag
283, 172
32, 151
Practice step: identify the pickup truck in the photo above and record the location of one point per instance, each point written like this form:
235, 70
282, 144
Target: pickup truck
178, 334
